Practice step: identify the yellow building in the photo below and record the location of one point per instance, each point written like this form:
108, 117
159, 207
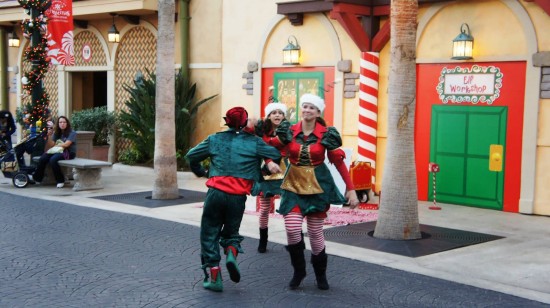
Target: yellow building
500, 96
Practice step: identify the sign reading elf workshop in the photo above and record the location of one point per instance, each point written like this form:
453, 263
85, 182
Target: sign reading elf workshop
478, 84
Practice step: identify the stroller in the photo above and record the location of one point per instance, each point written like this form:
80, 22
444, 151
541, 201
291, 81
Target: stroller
8, 162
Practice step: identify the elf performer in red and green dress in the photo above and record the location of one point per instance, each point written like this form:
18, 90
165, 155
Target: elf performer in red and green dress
271, 186
235, 161
308, 188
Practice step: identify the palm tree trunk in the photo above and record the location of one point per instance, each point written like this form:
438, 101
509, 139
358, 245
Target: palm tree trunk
398, 214
166, 183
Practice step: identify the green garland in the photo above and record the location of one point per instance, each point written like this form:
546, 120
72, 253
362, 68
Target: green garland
37, 55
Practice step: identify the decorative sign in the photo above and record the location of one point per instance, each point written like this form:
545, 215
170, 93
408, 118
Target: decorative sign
86, 52
470, 85
60, 32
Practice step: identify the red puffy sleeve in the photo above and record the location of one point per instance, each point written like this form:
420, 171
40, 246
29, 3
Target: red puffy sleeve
337, 157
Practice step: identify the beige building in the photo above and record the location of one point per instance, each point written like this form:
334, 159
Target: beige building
236, 52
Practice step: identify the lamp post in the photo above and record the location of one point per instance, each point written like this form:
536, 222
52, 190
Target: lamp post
463, 44
291, 53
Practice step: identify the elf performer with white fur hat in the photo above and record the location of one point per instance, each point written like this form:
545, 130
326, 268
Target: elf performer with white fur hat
266, 190
235, 158
308, 188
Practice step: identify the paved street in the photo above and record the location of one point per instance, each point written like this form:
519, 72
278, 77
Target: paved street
61, 255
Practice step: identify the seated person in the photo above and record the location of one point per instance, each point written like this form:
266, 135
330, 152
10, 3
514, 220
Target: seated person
63, 136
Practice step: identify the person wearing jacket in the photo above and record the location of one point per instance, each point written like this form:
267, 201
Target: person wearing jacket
7, 127
235, 160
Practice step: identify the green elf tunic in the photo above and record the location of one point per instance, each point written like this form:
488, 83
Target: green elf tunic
271, 185
235, 158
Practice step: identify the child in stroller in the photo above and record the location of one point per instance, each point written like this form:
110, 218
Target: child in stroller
10, 167
12, 162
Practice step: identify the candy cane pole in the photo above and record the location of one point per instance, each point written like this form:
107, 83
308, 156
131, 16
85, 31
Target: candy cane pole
368, 110
434, 168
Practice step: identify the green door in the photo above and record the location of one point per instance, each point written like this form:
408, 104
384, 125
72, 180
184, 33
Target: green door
461, 138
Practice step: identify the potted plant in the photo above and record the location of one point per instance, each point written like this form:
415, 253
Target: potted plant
99, 120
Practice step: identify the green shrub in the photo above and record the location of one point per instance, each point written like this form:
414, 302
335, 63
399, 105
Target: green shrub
138, 123
98, 120
130, 156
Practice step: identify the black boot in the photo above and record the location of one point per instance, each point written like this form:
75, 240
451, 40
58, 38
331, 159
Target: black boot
298, 261
262, 245
319, 263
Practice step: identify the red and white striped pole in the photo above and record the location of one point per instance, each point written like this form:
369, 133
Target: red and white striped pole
368, 109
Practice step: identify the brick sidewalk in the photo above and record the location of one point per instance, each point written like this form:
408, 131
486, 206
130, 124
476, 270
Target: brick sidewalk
61, 255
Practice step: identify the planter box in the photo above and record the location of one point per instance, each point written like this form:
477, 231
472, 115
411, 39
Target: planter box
100, 152
84, 144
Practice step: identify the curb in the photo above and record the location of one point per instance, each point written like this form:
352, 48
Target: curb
150, 171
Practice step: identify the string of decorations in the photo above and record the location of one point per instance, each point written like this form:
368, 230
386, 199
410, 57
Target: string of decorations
37, 54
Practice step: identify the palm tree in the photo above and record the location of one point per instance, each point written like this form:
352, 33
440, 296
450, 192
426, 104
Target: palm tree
398, 214
166, 182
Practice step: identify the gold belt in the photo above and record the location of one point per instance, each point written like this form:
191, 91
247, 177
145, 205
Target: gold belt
301, 180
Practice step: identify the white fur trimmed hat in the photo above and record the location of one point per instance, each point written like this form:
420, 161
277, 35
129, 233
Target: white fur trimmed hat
313, 99
275, 106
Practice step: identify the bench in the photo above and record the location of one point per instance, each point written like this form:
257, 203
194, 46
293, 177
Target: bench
86, 172
49, 179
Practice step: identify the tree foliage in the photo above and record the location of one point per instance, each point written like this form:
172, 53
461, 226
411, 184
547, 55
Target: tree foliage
138, 122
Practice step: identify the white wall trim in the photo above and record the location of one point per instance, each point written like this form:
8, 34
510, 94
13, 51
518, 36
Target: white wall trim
476, 60
87, 68
530, 112
204, 65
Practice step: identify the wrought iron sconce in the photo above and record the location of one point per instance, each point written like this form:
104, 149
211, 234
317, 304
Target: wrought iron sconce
291, 53
113, 35
463, 44
13, 39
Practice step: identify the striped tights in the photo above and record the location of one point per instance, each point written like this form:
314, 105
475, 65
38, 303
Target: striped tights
293, 226
265, 205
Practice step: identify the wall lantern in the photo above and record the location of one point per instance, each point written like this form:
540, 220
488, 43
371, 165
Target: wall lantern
463, 44
13, 39
291, 53
113, 35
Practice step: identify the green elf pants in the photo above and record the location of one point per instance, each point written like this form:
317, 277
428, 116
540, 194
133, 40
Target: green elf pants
220, 223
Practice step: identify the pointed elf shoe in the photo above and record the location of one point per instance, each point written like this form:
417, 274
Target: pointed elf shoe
231, 264
215, 284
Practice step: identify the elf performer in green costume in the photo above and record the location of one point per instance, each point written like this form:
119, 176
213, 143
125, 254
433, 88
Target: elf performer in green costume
266, 190
308, 188
235, 160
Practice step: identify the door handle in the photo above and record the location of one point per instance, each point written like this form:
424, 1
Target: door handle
495, 157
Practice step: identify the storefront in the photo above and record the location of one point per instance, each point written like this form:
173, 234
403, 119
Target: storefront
236, 52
